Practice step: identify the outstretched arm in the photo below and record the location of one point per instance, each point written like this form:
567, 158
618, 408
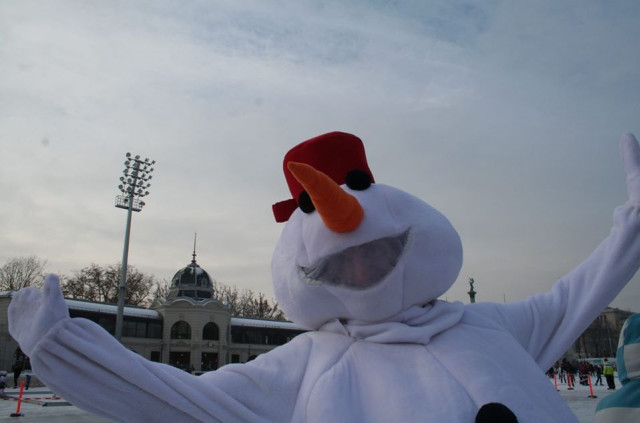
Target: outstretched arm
87, 366
547, 324
32, 313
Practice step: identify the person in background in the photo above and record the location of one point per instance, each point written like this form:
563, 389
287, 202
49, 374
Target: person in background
623, 406
598, 369
17, 370
562, 373
608, 374
3, 382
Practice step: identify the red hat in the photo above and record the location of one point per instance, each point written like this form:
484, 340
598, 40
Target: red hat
334, 154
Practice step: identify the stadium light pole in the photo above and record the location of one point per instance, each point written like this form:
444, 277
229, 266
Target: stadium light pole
133, 185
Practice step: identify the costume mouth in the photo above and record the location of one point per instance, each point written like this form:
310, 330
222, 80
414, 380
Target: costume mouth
359, 267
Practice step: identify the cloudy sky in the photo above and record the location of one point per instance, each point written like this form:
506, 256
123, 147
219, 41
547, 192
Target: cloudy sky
504, 115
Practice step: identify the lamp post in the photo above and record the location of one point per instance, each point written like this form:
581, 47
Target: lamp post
134, 185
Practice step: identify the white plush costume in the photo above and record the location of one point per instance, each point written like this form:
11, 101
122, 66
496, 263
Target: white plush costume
382, 348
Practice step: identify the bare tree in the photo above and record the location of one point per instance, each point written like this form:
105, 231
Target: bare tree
101, 284
265, 309
20, 272
227, 295
86, 284
161, 289
247, 303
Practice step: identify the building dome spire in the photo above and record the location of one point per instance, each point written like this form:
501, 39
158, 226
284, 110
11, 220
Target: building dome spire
191, 281
193, 260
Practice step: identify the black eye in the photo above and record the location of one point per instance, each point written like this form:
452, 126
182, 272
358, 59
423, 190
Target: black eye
305, 203
358, 180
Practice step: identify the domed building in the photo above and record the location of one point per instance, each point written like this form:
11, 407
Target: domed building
195, 324
190, 328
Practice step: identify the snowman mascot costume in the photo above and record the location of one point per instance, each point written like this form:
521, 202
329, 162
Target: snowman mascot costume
361, 265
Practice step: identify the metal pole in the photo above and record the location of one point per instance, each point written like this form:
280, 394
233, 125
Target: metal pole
123, 278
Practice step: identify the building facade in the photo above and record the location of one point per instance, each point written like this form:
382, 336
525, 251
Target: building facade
600, 340
189, 329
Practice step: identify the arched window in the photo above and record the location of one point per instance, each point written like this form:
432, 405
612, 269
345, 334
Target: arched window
211, 332
181, 330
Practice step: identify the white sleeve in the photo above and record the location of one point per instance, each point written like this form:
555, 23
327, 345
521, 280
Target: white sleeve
87, 366
547, 324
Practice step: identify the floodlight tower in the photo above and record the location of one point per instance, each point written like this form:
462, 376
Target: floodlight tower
134, 185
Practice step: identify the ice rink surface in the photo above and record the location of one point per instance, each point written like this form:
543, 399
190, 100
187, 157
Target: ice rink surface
57, 409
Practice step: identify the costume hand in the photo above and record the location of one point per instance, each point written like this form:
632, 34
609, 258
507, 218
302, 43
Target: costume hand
630, 152
32, 313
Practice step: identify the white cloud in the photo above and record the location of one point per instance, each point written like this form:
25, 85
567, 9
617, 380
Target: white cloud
503, 115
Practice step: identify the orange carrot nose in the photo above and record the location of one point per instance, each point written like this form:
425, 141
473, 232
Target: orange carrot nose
340, 211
